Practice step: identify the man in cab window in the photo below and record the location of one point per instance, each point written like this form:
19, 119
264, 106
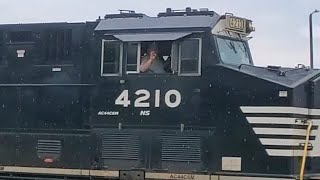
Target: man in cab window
151, 62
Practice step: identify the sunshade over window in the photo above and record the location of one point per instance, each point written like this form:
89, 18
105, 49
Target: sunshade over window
151, 37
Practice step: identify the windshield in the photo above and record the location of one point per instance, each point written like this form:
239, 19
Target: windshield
233, 51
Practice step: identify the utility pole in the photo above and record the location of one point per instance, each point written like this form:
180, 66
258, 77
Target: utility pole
311, 37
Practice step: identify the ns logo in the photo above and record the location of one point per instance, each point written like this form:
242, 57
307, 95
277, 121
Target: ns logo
145, 113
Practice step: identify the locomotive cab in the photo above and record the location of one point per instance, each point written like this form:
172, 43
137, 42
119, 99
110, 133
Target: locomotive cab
184, 49
173, 102
190, 44
208, 84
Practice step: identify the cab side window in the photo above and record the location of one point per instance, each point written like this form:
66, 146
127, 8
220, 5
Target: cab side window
190, 57
133, 57
136, 52
182, 57
111, 60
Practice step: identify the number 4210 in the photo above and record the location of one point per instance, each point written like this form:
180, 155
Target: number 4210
144, 96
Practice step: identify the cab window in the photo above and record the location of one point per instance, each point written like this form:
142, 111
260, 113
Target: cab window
111, 58
182, 57
233, 51
190, 57
133, 57
137, 52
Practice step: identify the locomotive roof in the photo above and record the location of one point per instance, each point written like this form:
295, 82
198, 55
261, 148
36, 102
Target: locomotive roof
31, 26
166, 23
285, 76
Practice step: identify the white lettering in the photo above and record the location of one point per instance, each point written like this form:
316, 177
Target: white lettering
145, 113
108, 113
123, 99
140, 100
172, 99
177, 101
157, 99
182, 176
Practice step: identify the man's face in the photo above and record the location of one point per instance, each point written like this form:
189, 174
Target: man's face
153, 54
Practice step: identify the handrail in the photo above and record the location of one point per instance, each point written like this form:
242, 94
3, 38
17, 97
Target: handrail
305, 151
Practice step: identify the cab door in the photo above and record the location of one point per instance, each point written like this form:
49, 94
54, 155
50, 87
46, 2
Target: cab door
109, 84
141, 110
162, 106
125, 96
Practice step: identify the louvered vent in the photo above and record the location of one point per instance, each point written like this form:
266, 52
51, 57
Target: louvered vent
181, 148
122, 146
49, 147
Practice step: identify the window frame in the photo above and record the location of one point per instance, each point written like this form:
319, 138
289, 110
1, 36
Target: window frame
140, 55
232, 39
138, 60
120, 60
199, 62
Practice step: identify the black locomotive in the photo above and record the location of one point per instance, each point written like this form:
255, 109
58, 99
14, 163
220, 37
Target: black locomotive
75, 104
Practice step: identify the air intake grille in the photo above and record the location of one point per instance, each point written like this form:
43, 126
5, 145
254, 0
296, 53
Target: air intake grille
120, 146
181, 148
49, 147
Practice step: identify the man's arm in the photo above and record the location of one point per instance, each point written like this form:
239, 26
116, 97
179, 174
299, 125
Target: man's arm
145, 65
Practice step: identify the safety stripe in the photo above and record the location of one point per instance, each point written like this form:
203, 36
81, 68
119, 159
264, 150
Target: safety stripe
115, 174
283, 142
101, 173
247, 178
284, 152
59, 171
286, 126
277, 120
280, 131
290, 153
280, 110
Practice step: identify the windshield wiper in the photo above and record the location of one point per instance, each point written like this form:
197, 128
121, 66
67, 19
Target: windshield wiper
231, 45
243, 48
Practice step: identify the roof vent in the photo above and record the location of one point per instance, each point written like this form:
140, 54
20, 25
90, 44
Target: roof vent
187, 12
203, 9
125, 14
127, 11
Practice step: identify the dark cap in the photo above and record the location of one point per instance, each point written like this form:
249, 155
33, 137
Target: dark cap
153, 47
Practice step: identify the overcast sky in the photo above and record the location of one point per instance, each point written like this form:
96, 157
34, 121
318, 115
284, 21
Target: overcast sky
281, 37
